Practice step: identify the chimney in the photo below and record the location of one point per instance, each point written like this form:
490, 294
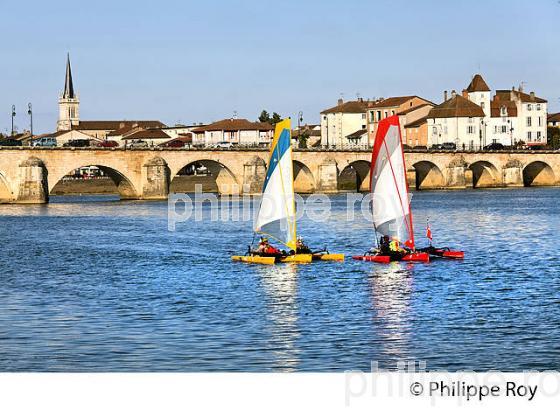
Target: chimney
340, 101
453, 93
532, 93
465, 93
360, 99
445, 96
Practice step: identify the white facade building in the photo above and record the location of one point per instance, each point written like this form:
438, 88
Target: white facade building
341, 123
474, 119
234, 131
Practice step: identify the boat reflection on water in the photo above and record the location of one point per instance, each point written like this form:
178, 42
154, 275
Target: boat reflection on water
280, 284
391, 289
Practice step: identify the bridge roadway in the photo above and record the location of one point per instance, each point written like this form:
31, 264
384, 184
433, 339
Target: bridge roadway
28, 174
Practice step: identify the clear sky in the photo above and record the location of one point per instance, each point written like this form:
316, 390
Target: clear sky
187, 61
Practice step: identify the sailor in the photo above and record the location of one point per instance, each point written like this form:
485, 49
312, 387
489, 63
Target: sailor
384, 244
301, 247
395, 246
266, 249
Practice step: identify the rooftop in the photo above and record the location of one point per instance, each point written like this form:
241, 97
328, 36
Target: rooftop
349, 107
477, 84
235, 124
457, 106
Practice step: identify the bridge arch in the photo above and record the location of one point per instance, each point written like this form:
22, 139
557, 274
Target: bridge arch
122, 184
428, 175
355, 176
484, 175
538, 173
304, 183
211, 175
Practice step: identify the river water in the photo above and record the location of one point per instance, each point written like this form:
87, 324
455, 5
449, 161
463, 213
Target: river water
96, 284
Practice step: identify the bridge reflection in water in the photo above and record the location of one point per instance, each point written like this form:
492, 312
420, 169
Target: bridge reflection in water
29, 175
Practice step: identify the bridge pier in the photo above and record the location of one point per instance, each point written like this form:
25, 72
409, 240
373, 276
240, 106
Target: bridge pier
155, 177
411, 178
457, 176
327, 179
254, 172
513, 174
33, 185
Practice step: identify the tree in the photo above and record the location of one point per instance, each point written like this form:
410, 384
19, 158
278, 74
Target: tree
275, 118
264, 117
553, 137
302, 139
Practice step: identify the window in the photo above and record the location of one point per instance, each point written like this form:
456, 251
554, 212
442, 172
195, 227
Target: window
363, 116
363, 126
471, 120
503, 111
470, 129
386, 114
495, 129
372, 116
538, 107
529, 139
528, 121
378, 115
434, 131
392, 112
538, 135
482, 105
504, 129
529, 107
540, 121
445, 129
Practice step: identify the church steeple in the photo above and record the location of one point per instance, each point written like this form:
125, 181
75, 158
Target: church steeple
68, 84
68, 103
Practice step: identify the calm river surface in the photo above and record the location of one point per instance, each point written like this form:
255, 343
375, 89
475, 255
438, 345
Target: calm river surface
94, 284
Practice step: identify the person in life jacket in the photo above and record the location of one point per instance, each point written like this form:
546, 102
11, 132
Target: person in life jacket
267, 249
301, 247
395, 246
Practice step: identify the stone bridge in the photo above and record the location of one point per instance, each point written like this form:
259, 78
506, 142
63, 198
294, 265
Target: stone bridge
27, 175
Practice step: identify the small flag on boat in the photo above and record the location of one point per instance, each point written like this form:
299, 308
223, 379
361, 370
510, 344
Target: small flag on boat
428, 231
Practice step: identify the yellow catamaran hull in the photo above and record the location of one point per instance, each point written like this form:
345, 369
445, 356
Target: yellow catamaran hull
270, 260
329, 257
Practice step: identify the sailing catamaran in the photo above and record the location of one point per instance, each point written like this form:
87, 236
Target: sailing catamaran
392, 216
276, 218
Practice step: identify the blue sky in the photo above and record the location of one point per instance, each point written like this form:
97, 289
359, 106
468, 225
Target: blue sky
202, 60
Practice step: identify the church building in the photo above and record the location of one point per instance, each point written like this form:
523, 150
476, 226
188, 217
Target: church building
69, 115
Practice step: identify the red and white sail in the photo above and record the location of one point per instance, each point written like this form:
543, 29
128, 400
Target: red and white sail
389, 187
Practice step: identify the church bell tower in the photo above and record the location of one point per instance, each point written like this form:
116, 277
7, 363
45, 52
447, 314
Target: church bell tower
68, 103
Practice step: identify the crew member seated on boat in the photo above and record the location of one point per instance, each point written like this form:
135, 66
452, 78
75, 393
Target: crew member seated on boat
301, 247
384, 244
267, 249
395, 246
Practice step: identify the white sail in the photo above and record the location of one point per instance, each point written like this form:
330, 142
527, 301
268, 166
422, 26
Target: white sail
391, 207
277, 216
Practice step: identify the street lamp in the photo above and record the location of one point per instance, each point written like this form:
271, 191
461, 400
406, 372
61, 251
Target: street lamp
13, 115
511, 133
30, 112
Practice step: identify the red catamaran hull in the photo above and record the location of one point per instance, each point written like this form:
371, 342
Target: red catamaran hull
413, 257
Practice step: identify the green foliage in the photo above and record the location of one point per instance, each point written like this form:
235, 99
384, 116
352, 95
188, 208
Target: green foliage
302, 139
265, 117
553, 137
276, 118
